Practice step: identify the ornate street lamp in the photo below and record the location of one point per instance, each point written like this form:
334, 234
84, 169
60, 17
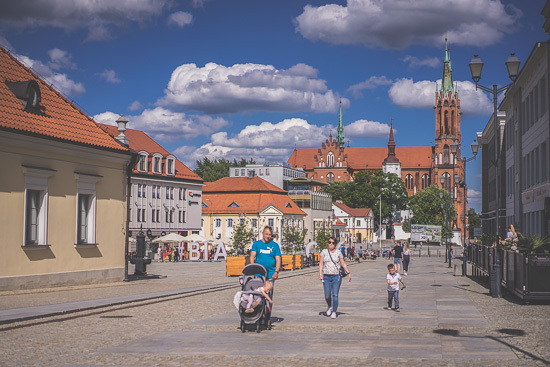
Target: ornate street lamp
512, 65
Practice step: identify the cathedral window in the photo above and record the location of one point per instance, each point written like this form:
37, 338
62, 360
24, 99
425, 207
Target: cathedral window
425, 181
409, 182
446, 154
330, 177
446, 181
330, 159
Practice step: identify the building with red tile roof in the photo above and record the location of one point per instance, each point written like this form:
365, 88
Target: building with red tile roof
258, 202
165, 192
359, 222
418, 167
63, 188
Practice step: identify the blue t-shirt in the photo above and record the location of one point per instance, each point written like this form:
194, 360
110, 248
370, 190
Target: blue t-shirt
265, 255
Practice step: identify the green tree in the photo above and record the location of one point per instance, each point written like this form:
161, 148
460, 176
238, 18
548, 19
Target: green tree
213, 170
428, 208
473, 221
242, 237
293, 238
322, 237
366, 188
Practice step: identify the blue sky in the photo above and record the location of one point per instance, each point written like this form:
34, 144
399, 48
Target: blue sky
256, 78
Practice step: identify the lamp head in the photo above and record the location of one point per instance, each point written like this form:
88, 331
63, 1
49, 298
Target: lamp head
476, 65
475, 147
442, 179
454, 147
512, 64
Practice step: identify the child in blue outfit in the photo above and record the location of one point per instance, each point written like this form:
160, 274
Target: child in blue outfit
393, 278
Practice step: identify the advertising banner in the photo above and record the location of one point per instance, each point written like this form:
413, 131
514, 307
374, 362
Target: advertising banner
425, 233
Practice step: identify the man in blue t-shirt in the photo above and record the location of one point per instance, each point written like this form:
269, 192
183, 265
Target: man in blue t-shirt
267, 253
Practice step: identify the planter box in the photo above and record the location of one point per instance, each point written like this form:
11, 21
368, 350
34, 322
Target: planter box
287, 262
234, 264
298, 261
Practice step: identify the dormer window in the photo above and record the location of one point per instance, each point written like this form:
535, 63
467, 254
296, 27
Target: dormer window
170, 163
234, 205
157, 162
142, 163
28, 92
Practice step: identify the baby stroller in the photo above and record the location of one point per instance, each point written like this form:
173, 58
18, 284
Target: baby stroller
253, 277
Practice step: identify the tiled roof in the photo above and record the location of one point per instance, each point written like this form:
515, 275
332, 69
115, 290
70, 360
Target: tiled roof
368, 158
354, 212
249, 203
140, 141
59, 119
241, 184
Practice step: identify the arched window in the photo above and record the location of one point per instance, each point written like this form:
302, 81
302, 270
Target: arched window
330, 159
330, 177
446, 154
445, 181
425, 181
409, 182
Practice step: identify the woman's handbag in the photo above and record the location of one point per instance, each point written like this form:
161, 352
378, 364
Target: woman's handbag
343, 273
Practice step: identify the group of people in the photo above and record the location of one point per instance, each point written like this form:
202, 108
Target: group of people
168, 253
267, 253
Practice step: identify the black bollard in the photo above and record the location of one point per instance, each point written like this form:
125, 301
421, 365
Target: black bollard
140, 261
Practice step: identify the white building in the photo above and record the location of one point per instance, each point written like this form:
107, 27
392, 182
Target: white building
278, 174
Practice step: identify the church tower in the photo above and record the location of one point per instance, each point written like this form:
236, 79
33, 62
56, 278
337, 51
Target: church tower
340, 131
447, 170
391, 163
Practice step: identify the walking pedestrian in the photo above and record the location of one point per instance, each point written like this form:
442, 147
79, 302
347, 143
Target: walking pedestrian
406, 258
393, 279
330, 263
397, 256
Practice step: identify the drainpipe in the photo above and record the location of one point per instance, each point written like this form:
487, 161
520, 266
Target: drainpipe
129, 170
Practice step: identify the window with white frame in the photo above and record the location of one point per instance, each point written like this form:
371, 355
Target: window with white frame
86, 208
271, 222
230, 222
218, 222
254, 222
142, 163
36, 205
170, 163
330, 159
157, 163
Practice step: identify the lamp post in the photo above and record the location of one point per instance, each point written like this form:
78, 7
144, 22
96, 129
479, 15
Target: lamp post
447, 217
211, 217
512, 66
380, 225
462, 183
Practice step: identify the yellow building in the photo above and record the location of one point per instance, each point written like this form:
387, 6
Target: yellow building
62, 188
259, 203
359, 223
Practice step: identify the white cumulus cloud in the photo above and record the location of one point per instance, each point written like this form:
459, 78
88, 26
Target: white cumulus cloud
398, 24
180, 19
371, 83
414, 61
407, 93
166, 125
58, 81
243, 87
136, 105
367, 129
109, 76
60, 59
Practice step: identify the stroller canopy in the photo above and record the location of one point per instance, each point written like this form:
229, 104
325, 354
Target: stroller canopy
252, 269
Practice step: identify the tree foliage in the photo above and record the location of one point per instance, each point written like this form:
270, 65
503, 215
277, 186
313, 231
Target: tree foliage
428, 208
242, 237
473, 221
293, 238
213, 170
321, 238
366, 188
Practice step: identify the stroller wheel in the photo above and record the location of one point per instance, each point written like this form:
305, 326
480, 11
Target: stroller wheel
257, 327
243, 326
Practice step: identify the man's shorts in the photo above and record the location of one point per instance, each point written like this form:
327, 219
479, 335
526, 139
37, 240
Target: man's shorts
397, 260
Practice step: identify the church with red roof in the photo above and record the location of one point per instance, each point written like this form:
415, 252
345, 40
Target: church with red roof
418, 166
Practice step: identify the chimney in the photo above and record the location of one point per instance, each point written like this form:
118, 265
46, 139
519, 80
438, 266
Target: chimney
121, 122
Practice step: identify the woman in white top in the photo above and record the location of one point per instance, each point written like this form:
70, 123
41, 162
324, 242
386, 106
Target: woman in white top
330, 263
406, 258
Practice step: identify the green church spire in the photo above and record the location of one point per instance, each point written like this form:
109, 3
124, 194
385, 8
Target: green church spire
447, 80
340, 131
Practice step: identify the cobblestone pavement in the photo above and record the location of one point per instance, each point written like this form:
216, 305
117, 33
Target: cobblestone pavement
445, 320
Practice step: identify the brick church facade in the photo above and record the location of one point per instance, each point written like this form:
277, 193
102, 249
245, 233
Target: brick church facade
418, 167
